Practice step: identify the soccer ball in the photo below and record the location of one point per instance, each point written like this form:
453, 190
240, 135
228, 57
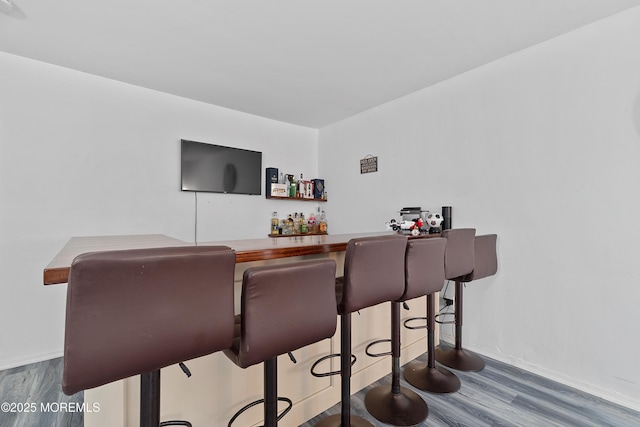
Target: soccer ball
434, 220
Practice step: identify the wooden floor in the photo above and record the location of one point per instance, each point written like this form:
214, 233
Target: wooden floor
31, 397
499, 395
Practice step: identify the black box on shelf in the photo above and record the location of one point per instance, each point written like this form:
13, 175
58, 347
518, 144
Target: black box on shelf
318, 188
271, 178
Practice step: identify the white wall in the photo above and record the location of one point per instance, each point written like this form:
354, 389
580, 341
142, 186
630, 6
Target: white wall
543, 148
81, 155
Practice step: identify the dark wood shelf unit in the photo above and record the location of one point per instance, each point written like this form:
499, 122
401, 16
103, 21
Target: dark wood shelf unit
300, 199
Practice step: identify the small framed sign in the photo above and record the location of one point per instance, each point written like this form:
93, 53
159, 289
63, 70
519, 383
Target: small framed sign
369, 164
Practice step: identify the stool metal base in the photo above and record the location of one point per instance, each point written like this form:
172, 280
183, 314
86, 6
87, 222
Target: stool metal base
459, 358
405, 408
433, 380
336, 421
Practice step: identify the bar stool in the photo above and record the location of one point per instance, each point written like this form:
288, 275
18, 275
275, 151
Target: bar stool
426, 269
485, 263
424, 274
133, 312
373, 273
284, 307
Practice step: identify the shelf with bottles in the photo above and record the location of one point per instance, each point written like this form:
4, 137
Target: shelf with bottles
300, 199
281, 186
296, 225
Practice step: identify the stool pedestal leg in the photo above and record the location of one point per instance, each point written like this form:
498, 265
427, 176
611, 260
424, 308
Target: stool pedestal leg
345, 419
457, 357
271, 393
150, 402
150, 399
430, 377
393, 404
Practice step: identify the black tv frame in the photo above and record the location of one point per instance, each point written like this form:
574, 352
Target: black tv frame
213, 168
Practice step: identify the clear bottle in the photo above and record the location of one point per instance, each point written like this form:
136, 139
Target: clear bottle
296, 224
304, 228
322, 226
301, 187
281, 180
274, 223
290, 224
313, 224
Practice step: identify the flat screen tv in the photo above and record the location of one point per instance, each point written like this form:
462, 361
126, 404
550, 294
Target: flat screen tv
218, 169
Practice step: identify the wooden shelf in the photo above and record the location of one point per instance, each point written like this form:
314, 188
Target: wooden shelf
295, 198
298, 235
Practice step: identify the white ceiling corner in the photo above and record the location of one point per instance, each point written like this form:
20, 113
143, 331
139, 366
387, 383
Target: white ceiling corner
305, 62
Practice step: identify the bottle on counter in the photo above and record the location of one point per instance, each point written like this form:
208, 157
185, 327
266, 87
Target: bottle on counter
275, 222
322, 225
313, 225
289, 226
296, 224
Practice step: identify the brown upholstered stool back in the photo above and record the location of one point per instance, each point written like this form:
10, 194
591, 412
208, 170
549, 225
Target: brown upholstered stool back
393, 403
458, 258
373, 272
484, 263
134, 311
485, 258
424, 267
284, 307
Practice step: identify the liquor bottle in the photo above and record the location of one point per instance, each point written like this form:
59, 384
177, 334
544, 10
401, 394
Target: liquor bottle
309, 185
292, 187
301, 187
313, 224
274, 223
322, 226
296, 224
290, 224
304, 229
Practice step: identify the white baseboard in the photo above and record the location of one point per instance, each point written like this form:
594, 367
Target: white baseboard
609, 395
6, 364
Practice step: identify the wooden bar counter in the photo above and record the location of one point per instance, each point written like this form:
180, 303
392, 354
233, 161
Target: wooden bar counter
218, 388
246, 250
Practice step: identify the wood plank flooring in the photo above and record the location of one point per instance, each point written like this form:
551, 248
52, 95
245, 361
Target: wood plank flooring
499, 395
37, 399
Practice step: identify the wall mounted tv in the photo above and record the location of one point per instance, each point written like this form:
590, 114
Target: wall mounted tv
218, 169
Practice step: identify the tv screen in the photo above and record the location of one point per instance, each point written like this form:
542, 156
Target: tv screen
218, 169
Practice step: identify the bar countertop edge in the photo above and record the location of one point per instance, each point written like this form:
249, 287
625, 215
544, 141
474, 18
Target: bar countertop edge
247, 250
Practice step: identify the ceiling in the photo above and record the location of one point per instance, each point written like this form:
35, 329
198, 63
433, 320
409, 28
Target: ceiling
306, 62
